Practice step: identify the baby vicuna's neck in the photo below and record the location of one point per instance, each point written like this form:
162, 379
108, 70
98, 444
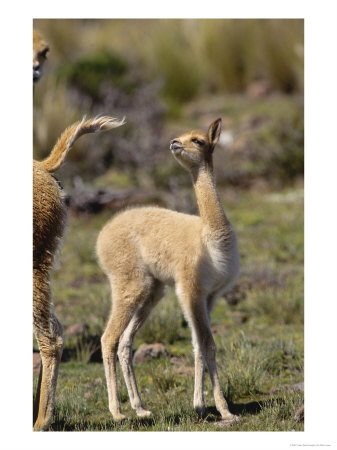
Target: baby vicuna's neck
210, 208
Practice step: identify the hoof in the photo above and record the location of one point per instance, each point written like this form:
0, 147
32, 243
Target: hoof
141, 412
119, 417
230, 418
200, 410
41, 426
228, 421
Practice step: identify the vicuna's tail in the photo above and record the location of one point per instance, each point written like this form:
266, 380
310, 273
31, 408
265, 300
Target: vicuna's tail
72, 133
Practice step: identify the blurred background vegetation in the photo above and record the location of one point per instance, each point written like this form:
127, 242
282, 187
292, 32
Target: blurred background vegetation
167, 77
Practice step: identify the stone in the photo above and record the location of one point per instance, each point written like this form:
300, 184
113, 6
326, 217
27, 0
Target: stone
225, 423
180, 367
258, 89
146, 352
76, 329
99, 380
299, 387
299, 414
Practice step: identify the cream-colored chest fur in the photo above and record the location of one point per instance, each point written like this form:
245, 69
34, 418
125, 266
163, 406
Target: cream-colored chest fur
220, 265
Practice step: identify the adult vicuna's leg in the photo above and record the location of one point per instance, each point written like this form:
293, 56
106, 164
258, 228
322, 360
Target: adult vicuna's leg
125, 348
48, 333
51, 351
37, 395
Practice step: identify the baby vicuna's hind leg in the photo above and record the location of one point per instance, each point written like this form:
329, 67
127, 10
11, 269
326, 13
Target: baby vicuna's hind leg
125, 348
127, 298
48, 333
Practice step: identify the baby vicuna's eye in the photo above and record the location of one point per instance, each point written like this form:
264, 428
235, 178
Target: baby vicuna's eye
197, 141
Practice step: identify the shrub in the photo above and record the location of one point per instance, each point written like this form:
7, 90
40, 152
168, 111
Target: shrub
281, 356
243, 371
88, 73
282, 55
283, 146
174, 61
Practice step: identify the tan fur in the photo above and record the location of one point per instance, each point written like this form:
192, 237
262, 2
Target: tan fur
40, 50
49, 214
142, 249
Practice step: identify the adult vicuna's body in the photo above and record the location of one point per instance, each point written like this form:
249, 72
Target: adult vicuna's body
49, 213
142, 249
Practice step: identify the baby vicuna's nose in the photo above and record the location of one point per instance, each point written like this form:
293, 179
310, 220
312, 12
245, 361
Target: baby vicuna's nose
174, 144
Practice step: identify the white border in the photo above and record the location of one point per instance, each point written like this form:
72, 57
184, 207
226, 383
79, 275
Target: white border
320, 218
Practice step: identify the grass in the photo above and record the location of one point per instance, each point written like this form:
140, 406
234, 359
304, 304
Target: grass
259, 334
187, 56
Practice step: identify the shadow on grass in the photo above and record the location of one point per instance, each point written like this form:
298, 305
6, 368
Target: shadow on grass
253, 407
239, 409
136, 423
96, 424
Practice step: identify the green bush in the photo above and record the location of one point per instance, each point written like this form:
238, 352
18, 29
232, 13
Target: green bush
229, 50
178, 69
282, 356
282, 53
242, 370
88, 73
278, 149
287, 159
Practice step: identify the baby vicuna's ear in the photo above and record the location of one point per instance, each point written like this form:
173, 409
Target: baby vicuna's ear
214, 131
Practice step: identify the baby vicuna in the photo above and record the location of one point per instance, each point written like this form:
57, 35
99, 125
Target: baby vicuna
142, 249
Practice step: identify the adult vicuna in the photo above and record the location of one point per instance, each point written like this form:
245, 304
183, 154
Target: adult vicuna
49, 214
142, 249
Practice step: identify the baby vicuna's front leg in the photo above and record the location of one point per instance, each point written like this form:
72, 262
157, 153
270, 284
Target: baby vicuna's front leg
205, 350
199, 377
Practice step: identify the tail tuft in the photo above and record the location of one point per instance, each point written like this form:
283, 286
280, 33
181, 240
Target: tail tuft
72, 133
